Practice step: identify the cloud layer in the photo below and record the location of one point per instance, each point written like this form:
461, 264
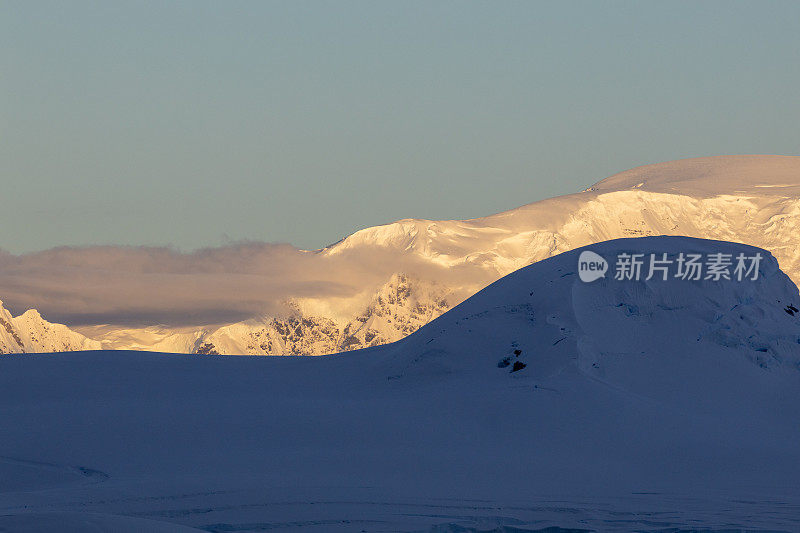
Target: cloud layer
138, 286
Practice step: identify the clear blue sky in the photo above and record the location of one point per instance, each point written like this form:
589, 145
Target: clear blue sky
196, 123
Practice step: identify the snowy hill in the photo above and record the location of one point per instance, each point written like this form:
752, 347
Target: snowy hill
541, 402
544, 317
30, 333
750, 199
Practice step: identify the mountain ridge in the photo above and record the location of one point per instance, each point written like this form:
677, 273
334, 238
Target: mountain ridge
750, 199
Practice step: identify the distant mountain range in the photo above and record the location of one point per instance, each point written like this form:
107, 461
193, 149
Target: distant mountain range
749, 199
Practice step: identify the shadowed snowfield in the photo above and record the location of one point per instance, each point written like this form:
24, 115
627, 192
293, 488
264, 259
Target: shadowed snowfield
637, 406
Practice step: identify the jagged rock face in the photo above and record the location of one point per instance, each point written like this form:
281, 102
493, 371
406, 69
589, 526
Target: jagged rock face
400, 307
30, 333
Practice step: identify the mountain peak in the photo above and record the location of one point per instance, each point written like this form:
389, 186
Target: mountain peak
31, 314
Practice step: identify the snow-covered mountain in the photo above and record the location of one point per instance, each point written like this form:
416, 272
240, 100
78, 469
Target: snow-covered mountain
542, 403
749, 199
30, 333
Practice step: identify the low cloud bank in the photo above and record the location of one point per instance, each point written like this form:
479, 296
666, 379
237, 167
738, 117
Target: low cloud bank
139, 286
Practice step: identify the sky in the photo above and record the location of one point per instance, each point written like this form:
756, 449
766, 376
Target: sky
198, 124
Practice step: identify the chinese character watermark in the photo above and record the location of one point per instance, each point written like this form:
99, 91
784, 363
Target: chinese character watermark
684, 266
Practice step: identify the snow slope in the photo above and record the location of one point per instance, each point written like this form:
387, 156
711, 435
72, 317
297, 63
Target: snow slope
642, 406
